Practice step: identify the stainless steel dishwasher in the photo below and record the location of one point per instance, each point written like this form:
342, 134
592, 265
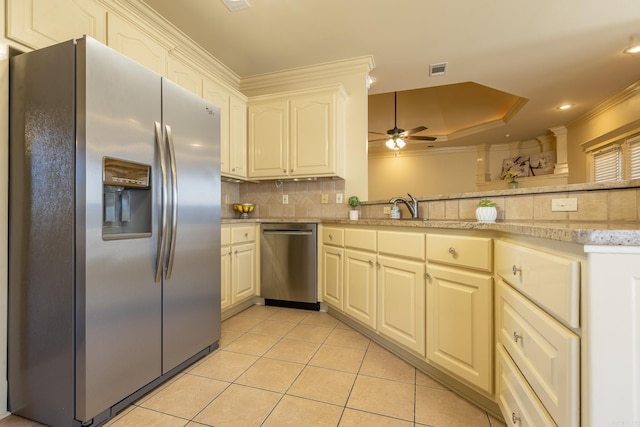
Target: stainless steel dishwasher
288, 265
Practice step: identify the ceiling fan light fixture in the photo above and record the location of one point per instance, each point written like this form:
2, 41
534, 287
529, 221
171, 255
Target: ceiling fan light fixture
634, 45
400, 143
391, 144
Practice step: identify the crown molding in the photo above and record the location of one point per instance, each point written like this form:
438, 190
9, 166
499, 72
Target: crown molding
624, 95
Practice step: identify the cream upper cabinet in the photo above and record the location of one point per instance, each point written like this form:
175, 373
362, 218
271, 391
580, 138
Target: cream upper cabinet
297, 134
41, 23
184, 75
137, 44
237, 136
220, 97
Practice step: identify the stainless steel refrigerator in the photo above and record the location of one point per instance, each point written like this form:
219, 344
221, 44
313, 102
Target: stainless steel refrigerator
114, 264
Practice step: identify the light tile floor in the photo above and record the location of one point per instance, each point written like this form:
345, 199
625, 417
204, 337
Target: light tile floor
285, 367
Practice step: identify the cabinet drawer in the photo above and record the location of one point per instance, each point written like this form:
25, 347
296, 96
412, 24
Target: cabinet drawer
360, 239
404, 244
546, 353
518, 403
333, 236
462, 251
225, 236
243, 234
551, 281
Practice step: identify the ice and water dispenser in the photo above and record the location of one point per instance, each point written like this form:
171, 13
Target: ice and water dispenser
127, 199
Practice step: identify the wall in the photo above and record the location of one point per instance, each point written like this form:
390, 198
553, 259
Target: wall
305, 199
611, 119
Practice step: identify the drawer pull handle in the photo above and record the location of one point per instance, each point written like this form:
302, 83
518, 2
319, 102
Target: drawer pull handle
452, 250
516, 337
514, 418
330, 236
371, 263
516, 269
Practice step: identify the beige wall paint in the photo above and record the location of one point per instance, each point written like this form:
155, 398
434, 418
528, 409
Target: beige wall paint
432, 172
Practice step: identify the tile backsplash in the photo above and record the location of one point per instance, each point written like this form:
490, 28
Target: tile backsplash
304, 198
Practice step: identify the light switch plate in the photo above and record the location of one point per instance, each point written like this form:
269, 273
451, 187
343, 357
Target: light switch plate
325, 199
285, 199
339, 198
386, 210
564, 205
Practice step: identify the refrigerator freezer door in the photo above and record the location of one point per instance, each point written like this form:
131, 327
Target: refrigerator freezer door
191, 289
119, 305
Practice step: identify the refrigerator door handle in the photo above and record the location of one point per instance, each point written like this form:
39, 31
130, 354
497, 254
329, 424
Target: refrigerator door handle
174, 202
162, 243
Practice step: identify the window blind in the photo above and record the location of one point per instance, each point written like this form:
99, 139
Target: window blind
634, 158
607, 164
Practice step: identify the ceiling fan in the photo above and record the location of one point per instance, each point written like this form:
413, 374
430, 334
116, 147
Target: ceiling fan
395, 137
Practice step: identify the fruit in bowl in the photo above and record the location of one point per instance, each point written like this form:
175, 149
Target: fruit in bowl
244, 209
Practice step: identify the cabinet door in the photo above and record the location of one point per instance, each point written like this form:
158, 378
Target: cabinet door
401, 302
41, 23
243, 276
225, 277
136, 44
312, 135
185, 76
459, 323
269, 139
332, 270
219, 97
237, 136
360, 286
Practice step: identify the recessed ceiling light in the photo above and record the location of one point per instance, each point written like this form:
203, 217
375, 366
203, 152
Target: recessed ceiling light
565, 106
234, 5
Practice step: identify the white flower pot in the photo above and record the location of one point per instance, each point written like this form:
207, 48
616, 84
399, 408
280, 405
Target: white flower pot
486, 214
354, 214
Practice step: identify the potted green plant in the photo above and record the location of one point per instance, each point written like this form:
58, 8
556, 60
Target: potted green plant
354, 202
486, 211
512, 176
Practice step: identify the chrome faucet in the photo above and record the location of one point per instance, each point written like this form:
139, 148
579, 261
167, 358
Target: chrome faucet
411, 205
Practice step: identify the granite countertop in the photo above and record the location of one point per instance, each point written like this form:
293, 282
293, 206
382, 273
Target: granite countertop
597, 233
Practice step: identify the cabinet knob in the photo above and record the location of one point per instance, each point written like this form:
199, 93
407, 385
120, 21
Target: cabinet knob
236, 252
330, 236
371, 263
452, 250
246, 235
516, 337
284, 170
514, 418
516, 269
427, 276
233, 169
291, 171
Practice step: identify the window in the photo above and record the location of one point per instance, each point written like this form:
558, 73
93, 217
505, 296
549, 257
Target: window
633, 166
607, 164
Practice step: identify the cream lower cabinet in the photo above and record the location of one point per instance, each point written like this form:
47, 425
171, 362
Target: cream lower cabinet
332, 266
360, 286
238, 265
401, 301
460, 307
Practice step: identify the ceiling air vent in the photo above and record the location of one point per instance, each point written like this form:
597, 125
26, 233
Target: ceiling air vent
234, 5
437, 69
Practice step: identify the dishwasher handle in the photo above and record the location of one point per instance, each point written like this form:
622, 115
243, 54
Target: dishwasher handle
288, 232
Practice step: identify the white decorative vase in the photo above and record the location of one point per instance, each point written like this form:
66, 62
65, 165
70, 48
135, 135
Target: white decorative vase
354, 214
486, 214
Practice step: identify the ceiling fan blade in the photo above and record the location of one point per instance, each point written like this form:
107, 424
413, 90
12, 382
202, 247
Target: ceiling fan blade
378, 140
422, 138
377, 133
415, 130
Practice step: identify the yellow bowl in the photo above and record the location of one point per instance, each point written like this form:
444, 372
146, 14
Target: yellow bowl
244, 207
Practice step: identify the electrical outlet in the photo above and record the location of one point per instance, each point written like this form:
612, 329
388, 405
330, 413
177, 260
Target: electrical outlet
564, 205
285, 199
339, 198
227, 199
324, 199
386, 210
